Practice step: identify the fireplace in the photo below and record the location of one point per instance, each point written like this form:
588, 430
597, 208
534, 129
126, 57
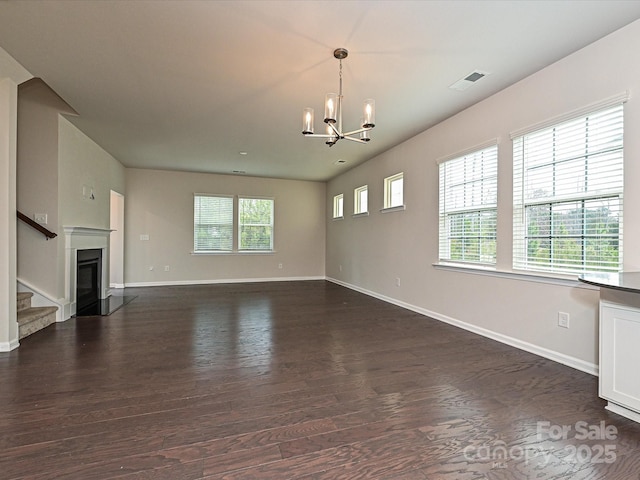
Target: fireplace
79, 239
88, 278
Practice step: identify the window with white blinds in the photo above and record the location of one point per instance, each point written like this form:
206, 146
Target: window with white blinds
568, 185
212, 223
255, 224
468, 207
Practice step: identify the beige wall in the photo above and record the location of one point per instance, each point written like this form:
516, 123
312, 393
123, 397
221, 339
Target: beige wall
8, 107
11, 74
37, 184
85, 164
376, 250
56, 162
160, 204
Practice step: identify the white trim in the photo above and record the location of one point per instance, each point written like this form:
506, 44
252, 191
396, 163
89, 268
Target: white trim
525, 277
361, 214
601, 105
116, 285
233, 252
463, 153
219, 281
8, 346
623, 411
397, 208
567, 360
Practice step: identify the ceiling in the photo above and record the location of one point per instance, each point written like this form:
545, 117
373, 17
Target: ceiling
188, 85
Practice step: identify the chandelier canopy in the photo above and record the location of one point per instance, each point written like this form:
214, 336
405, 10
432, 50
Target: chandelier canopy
333, 115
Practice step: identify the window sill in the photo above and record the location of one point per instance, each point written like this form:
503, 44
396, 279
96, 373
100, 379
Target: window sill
361, 214
337, 218
566, 281
235, 252
398, 208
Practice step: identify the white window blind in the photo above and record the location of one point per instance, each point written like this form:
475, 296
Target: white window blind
360, 200
468, 207
255, 224
568, 186
212, 223
338, 206
394, 191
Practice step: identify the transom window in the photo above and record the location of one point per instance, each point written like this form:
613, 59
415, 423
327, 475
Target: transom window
360, 200
468, 207
568, 186
394, 191
338, 206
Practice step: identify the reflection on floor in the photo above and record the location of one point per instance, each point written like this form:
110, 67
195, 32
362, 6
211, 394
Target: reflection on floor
106, 306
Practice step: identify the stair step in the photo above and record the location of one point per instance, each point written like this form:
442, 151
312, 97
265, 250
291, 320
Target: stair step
33, 319
24, 300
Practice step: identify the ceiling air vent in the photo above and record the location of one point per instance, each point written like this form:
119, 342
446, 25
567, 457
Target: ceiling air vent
464, 83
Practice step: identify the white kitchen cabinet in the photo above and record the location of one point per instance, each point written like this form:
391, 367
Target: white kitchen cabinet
619, 381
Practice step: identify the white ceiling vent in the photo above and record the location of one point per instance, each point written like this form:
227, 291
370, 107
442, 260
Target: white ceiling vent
464, 83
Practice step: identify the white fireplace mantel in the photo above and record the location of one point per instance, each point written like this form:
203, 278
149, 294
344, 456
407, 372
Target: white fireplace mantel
82, 238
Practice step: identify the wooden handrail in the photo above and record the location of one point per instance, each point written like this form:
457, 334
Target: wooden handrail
47, 233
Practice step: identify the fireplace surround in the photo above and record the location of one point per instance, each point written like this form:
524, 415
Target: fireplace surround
79, 239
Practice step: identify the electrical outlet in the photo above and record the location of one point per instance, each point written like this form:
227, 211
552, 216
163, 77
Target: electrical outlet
144, 237
280, 265
151, 268
340, 267
397, 281
563, 319
166, 268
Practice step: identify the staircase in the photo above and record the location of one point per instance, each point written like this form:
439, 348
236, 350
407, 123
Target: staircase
31, 319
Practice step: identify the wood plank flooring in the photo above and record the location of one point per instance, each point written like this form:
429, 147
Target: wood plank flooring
294, 380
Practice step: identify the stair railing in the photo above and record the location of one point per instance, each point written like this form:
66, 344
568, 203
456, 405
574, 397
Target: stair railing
47, 233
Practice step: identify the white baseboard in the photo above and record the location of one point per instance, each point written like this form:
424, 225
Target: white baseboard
220, 281
8, 346
567, 360
116, 285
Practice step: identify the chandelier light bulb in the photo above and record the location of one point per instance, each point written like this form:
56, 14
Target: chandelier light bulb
307, 121
330, 108
369, 113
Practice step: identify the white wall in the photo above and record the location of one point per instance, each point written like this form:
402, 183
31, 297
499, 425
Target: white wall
377, 249
160, 204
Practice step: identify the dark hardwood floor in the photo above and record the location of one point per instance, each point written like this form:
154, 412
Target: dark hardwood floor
294, 380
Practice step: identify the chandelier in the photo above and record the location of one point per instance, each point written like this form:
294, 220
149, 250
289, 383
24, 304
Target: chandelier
333, 115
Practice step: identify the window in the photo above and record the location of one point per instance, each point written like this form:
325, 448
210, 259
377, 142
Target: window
568, 184
212, 223
255, 224
360, 200
468, 207
338, 206
393, 191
